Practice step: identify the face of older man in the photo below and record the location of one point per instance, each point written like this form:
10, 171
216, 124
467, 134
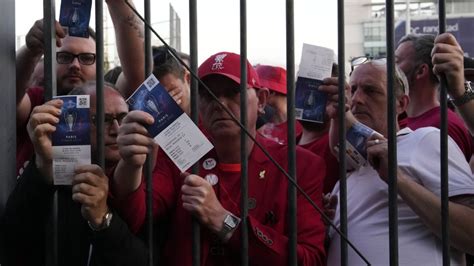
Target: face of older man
368, 84
115, 110
216, 121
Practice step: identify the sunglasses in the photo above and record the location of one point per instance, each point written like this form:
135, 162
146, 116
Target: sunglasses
400, 77
67, 58
360, 60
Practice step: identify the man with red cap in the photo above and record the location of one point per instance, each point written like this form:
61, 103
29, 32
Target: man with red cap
213, 196
273, 78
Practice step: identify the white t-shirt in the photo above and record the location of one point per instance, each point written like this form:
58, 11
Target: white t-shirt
367, 204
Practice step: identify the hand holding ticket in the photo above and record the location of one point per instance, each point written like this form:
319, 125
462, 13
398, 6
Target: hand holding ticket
172, 129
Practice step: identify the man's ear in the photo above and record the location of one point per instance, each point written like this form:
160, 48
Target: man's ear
187, 77
402, 103
422, 71
262, 95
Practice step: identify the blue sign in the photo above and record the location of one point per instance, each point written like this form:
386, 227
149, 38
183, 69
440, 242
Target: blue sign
462, 28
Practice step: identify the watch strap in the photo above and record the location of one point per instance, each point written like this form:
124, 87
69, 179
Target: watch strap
230, 223
106, 220
466, 97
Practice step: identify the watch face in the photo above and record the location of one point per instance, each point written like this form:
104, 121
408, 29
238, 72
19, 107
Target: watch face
468, 86
229, 221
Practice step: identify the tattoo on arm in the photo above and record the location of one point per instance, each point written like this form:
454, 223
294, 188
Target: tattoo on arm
136, 24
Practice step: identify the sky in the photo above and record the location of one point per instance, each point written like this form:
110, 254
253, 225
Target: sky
219, 25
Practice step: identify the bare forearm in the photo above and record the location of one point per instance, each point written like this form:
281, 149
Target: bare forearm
428, 207
129, 34
127, 179
467, 112
25, 65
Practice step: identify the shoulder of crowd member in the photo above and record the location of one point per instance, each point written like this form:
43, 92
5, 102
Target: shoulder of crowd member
309, 167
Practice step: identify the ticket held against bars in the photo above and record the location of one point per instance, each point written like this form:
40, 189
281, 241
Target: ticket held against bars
316, 65
173, 130
74, 16
71, 140
356, 144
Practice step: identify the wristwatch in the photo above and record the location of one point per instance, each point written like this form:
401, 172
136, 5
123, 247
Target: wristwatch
230, 224
106, 220
466, 97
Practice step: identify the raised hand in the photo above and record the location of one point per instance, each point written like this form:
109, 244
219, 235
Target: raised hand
35, 37
90, 187
41, 125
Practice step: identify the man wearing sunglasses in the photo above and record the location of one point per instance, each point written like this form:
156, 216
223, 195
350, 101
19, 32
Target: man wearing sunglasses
30, 203
75, 65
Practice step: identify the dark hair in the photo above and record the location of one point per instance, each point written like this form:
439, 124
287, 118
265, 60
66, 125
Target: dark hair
423, 45
112, 75
164, 63
92, 34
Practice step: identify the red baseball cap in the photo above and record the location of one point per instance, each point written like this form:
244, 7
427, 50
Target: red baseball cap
272, 78
228, 64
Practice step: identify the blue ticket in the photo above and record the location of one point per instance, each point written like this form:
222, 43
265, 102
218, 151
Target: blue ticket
315, 65
73, 127
356, 143
71, 140
75, 16
310, 104
173, 130
152, 98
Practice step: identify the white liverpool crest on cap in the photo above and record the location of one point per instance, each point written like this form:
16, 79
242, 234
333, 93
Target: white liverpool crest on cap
218, 65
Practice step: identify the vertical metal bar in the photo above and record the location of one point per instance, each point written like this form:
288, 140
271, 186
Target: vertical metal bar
290, 101
392, 136
193, 45
444, 148
50, 91
243, 137
49, 49
342, 130
8, 113
172, 27
99, 46
99, 91
148, 162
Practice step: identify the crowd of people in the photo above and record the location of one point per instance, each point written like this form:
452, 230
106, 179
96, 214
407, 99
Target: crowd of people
102, 215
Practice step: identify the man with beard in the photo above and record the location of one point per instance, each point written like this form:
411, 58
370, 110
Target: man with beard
75, 59
413, 56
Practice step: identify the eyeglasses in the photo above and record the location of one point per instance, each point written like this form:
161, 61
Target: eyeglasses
109, 119
67, 58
